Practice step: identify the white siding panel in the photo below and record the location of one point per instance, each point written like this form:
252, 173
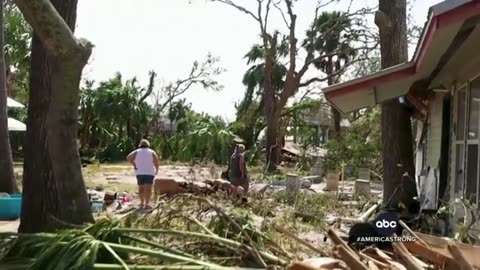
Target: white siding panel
434, 136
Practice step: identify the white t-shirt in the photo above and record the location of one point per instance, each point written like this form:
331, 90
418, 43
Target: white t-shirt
144, 162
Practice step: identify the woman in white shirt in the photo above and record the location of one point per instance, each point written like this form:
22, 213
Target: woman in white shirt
145, 162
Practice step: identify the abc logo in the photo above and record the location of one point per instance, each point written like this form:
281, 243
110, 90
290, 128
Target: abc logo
386, 223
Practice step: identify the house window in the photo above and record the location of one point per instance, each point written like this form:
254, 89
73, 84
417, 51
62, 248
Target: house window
473, 141
460, 142
468, 142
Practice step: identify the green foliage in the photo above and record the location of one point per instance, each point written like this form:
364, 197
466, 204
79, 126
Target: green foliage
298, 113
116, 114
18, 36
199, 137
335, 37
113, 117
360, 147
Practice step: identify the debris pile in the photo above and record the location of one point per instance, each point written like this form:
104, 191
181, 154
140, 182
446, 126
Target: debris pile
185, 232
427, 252
188, 230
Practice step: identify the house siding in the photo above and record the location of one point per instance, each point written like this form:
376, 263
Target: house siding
434, 135
453, 148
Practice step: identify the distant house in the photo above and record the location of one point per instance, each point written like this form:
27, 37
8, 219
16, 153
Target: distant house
441, 88
164, 126
13, 124
322, 120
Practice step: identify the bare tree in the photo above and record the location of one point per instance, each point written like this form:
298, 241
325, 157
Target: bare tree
202, 74
275, 103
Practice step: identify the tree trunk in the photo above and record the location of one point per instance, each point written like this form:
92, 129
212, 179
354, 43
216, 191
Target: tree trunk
270, 109
397, 138
337, 117
7, 177
53, 184
273, 144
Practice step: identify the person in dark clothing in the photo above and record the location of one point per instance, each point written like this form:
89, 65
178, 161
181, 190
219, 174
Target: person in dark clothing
237, 171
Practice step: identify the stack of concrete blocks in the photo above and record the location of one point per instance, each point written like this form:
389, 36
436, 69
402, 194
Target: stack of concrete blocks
362, 184
332, 181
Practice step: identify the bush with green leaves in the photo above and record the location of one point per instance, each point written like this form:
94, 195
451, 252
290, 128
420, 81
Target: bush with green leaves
359, 147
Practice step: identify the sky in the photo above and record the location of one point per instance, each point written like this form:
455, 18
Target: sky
135, 36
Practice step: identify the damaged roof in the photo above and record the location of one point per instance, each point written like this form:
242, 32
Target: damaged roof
452, 25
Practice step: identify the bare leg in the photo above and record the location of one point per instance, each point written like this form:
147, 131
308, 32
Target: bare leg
141, 194
234, 191
246, 186
147, 194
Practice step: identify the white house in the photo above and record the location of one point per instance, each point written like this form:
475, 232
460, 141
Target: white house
441, 84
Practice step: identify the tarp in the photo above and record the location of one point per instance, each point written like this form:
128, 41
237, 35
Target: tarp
11, 103
15, 125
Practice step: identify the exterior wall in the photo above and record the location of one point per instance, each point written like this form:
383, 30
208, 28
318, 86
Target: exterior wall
434, 135
453, 145
419, 151
428, 177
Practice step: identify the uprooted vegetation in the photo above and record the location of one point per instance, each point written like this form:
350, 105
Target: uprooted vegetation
185, 231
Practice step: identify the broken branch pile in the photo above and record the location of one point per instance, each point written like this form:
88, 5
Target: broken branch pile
173, 236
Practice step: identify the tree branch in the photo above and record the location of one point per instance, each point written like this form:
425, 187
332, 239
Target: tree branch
267, 12
150, 87
276, 5
241, 8
290, 86
333, 75
55, 34
199, 74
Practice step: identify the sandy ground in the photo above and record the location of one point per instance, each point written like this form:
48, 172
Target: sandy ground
124, 174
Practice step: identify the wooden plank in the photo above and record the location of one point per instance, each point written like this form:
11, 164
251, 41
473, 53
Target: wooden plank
459, 258
299, 240
339, 242
383, 257
406, 257
372, 265
373, 260
303, 266
440, 245
350, 258
412, 233
427, 253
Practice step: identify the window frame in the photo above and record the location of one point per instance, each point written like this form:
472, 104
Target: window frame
465, 141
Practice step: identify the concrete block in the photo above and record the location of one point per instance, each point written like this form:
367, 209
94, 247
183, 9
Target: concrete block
293, 183
362, 187
364, 173
332, 181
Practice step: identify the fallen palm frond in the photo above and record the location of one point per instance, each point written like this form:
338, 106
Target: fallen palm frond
73, 249
177, 236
